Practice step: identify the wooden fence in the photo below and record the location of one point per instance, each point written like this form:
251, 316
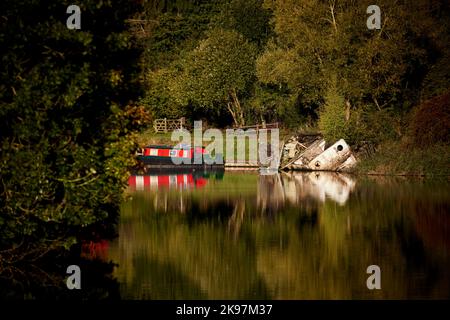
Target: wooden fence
262, 126
166, 125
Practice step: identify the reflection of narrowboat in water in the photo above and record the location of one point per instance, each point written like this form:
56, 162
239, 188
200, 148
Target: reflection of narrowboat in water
178, 180
178, 156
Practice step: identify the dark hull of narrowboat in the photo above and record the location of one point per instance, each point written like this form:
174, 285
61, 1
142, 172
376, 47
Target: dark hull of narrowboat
155, 156
210, 170
166, 162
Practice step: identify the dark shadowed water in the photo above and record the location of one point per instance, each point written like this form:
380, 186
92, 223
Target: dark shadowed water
239, 235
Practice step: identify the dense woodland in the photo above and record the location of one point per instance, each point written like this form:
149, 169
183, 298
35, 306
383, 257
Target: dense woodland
72, 101
300, 62
66, 112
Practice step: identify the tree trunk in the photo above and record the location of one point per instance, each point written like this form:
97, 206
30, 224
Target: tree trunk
234, 107
347, 110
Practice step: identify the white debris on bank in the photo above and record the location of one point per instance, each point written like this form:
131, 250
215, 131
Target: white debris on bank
313, 155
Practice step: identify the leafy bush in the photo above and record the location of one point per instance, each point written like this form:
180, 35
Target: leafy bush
332, 116
396, 158
65, 142
218, 72
357, 125
158, 100
430, 121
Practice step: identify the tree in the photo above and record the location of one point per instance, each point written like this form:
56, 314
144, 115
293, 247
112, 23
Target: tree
66, 113
176, 32
248, 17
384, 68
332, 117
217, 72
174, 28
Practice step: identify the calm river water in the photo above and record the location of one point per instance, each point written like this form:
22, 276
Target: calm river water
241, 235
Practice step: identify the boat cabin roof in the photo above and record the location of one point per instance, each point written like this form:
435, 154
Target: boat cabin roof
178, 146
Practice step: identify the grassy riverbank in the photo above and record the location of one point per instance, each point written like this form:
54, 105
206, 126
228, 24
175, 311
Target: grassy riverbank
149, 137
394, 158
391, 158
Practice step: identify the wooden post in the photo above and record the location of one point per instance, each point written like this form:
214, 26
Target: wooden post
165, 125
182, 120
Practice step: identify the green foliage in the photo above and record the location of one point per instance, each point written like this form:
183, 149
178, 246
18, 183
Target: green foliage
437, 81
248, 17
380, 68
396, 158
228, 228
358, 126
65, 142
332, 118
373, 126
299, 46
221, 63
179, 37
158, 98
174, 29
271, 104
217, 72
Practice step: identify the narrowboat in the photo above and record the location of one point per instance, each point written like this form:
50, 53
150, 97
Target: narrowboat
178, 156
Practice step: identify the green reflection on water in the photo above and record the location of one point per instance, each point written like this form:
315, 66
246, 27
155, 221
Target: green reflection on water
288, 236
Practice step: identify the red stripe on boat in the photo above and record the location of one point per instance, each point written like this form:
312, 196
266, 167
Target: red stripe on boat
201, 182
132, 182
164, 152
163, 180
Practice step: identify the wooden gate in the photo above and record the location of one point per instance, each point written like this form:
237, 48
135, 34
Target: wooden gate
166, 125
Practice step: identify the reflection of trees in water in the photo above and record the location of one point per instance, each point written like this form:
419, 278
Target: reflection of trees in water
46, 278
32, 270
290, 239
270, 195
376, 226
237, 218
274, 192
200, 260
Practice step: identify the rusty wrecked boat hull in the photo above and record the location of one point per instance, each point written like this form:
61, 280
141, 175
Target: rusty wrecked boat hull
315, 157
